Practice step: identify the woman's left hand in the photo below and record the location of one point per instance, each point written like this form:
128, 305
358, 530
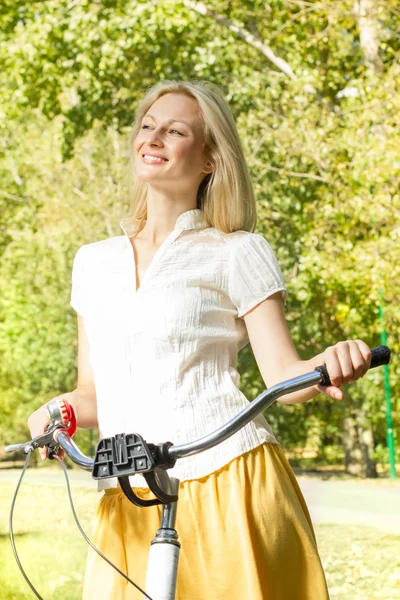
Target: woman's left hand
345, 362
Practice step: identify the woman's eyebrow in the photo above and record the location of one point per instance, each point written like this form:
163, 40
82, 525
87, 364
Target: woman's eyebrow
170, 120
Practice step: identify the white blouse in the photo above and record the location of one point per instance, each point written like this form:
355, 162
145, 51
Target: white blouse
164, 356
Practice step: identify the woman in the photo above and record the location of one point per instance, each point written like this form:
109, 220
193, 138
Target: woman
162, 313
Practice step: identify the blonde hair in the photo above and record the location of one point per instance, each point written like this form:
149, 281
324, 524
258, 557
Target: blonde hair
226, 195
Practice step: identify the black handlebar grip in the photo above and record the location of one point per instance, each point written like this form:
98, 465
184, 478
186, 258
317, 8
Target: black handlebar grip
380, 356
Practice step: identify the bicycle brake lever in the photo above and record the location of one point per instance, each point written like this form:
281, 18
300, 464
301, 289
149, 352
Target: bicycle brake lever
44, 439
47, 439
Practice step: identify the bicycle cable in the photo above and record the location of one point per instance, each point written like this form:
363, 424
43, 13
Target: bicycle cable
11, 526
76, 521
86, 537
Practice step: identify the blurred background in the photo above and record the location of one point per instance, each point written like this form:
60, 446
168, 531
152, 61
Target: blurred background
315, 91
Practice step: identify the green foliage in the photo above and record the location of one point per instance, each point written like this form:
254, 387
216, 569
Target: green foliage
322, 148
61, 207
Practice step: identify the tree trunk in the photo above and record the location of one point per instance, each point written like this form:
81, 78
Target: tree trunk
369, 28
366, 437
353, 456
358, 444
357, 435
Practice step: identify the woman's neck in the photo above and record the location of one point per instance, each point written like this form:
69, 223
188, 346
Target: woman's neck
163, 211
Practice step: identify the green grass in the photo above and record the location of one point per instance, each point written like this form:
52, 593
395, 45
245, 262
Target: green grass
360, 563
49, 545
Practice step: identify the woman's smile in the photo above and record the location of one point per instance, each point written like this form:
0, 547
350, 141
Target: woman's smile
153, 159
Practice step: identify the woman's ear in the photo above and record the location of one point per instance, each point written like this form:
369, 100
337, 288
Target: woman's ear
209, 167
209, 163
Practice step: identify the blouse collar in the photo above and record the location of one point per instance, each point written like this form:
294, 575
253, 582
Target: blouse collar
190, 219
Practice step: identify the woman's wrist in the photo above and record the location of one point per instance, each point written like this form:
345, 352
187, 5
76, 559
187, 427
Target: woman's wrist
295, 370
84, 403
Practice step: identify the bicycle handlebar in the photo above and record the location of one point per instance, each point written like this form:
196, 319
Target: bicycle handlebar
380, 356
71, 449
263, 401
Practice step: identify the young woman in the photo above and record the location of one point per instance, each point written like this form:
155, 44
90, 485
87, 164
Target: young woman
162, 312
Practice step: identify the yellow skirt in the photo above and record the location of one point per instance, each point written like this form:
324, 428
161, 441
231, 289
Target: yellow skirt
245, 531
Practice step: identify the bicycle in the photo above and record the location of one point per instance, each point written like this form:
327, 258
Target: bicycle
124, 455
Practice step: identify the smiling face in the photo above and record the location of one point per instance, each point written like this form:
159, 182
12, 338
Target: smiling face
169, 148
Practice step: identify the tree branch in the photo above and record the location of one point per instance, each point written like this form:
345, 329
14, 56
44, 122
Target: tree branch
295, 173
248, 37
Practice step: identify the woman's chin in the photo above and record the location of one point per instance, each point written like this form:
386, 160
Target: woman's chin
148, 177
156, 182
150, 173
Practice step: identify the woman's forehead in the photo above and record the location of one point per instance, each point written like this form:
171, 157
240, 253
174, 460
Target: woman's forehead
177, 107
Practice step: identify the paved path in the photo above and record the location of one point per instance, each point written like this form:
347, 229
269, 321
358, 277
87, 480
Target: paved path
334, 502
52, 477
353, 503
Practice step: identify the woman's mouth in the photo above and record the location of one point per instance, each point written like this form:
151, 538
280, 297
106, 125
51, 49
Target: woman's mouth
150, 159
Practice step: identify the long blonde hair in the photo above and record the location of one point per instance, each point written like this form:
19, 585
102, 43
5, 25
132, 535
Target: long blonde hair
226, 195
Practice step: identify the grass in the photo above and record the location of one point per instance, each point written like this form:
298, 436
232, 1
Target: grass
49, 545
360, 563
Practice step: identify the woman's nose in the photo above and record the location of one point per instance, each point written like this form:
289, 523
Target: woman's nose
154, 138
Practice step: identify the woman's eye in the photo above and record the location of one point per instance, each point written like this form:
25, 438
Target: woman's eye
175, 131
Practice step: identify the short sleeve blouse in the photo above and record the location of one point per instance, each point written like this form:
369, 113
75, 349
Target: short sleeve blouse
254, 273
164, 356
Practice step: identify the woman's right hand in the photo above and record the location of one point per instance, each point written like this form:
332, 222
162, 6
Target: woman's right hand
37, 423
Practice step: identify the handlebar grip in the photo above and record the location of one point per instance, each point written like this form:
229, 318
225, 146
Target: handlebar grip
380, 356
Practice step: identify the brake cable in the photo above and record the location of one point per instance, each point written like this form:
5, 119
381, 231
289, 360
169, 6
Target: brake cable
28, 450
11, 526
64, 468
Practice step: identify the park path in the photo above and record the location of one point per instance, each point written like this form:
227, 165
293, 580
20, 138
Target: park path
371, 504
346, 502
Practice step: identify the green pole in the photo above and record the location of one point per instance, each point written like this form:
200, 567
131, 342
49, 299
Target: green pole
389, 421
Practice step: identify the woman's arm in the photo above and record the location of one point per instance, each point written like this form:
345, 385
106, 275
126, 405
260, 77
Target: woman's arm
84, 401
278, 360
82, 398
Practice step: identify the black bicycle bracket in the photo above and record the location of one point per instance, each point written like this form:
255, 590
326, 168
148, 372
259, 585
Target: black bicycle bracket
127, 454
